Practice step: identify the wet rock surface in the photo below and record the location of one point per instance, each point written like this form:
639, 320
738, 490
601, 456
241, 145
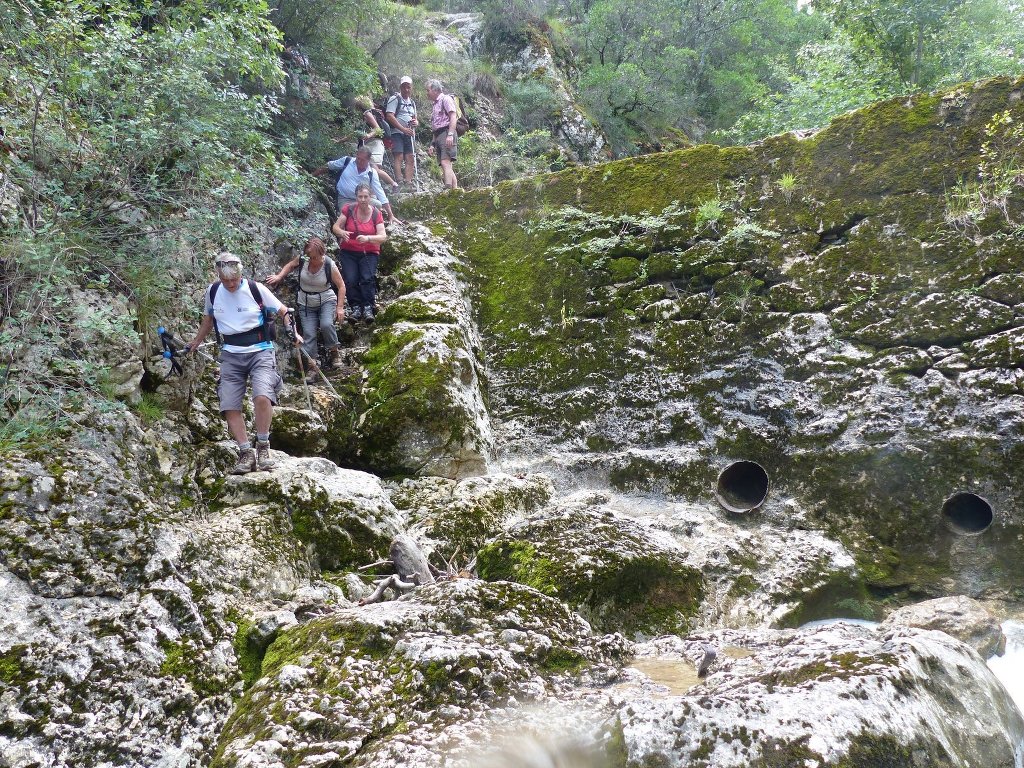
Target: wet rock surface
959, 616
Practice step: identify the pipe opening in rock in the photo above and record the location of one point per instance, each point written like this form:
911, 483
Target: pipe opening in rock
742, 486
967, 513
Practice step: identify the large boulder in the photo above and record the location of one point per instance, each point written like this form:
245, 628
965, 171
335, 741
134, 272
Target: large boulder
461, 515
422, 409
959, 616
617, 572
381, 685
840, 695
340, 517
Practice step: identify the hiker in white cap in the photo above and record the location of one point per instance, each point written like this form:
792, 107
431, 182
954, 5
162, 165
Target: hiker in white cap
400, 112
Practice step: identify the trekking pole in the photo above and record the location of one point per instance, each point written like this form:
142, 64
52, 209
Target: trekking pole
415, 165
172, 345
322, 375
290, 322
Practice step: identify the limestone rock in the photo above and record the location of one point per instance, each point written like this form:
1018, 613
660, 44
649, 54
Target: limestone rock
959, 616
418, 666
424, 410
461, 515
344, 517
298, 432
617, 572
836, 695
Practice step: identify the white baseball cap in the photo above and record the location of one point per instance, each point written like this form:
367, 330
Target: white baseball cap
405, 80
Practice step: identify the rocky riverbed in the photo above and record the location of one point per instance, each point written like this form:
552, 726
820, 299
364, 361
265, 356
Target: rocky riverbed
562, 370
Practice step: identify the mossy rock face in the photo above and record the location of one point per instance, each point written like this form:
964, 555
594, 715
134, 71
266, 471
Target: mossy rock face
461, 516
614, 571
421, 409
452, 649
843, 323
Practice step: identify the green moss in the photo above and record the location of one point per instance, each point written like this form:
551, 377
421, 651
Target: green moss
518, 561
184, 661
624, 269
776, 753
841, 666
248, 653
882, 750
14, 669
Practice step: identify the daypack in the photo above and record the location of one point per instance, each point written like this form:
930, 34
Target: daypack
348, 211
398, 100
378, 115
461, 123
335, 175
264, 332
328, 266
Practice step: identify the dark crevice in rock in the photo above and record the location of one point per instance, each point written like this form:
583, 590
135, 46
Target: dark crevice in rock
837, 235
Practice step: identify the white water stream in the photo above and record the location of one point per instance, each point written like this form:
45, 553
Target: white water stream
1009, 667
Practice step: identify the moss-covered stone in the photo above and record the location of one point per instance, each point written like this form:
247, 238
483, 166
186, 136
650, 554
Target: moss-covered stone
610, 569
804, 331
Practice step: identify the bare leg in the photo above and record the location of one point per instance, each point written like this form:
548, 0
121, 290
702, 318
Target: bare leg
384, 175
236, 426
410, 169
264, 412
449, 174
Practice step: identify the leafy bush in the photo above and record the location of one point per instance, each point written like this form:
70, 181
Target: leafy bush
530, 105
138, 145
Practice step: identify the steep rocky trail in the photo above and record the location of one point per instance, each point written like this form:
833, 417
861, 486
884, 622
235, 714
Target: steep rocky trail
561, 368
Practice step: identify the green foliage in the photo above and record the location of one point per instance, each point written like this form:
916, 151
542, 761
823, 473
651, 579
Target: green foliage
531, 105
657, 67
150, 409
827, 79
787, 185
137, 135
595, 238
709, 213
1000, 173
901, 33
485, 162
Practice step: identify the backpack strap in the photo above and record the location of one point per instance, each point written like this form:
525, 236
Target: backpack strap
261, 331
212, 293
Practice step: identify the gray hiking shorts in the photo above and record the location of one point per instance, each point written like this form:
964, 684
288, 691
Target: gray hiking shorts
259, 368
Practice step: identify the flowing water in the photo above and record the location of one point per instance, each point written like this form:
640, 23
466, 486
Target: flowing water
1009, 667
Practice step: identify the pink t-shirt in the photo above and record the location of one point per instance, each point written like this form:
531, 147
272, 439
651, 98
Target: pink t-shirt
443, 107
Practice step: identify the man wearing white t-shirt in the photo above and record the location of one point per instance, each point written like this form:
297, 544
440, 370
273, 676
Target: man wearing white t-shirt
247, 355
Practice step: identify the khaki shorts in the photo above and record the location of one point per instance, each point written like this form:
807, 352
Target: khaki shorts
376, 147
259, 368
441, 146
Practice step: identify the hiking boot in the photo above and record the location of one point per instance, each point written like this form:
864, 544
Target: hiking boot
333, 359
368, 314
355, 315
314, 374
246, 463
263, 460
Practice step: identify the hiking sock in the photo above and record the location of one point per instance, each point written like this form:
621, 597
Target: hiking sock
244, 446
263, 438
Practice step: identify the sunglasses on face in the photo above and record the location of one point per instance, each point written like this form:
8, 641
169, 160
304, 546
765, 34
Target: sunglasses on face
223, 264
